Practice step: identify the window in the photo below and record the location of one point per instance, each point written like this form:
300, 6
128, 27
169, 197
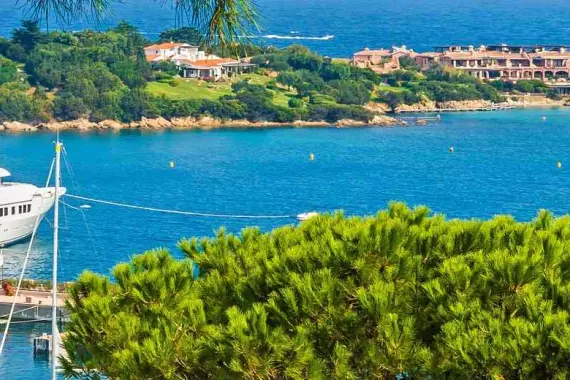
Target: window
13, 210
29, 208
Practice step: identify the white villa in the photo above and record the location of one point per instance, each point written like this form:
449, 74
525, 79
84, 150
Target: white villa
174, 51
193, 62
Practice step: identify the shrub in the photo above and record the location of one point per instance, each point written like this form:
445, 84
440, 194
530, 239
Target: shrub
398, 295
295, 103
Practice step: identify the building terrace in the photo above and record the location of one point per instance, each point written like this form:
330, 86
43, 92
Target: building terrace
502, 61
195, 63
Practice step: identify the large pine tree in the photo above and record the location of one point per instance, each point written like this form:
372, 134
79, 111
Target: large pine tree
402, 294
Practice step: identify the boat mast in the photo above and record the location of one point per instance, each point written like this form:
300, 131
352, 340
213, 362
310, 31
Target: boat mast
54, 330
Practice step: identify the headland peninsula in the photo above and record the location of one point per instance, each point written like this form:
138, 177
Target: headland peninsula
118, 79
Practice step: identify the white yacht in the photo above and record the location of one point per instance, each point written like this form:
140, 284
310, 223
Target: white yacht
20, 206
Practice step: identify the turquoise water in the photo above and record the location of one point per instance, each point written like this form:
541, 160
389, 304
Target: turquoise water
504, 162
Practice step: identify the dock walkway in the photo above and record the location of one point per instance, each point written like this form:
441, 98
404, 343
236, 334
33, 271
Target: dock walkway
494, 107
32, 305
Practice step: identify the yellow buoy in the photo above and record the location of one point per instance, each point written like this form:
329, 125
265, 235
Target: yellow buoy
311, 157
171, 164
451, 150
559, 165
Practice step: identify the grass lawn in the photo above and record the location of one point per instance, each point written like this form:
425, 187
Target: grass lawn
196, 89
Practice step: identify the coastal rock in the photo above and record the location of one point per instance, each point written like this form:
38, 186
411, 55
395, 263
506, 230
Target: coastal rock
424, 105
464, 105
79, 124
18, 127
158, 123
187, 123
302, 123
209, 122
183, 122
430, 106
385, 121
350, 123
377, 108
534, 100
240, 123
110, 124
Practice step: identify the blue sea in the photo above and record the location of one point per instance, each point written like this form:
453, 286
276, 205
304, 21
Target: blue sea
339, 27
504, 162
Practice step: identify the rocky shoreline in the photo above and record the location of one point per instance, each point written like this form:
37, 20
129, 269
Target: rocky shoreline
189, 123
430, 106
206, 123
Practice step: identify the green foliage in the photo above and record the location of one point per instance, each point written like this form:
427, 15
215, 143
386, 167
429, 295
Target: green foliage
167, 67
396, 98
8, 71
351, 92
336, 71
28, 36
288, 79
67, 106
523, 85
335, 112
16, 104
552, 94
399, 295
408, 63
441, 84
185, 34
295, 103
531, 86
274, 61
397, 77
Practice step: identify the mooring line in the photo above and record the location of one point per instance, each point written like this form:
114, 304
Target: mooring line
178, 212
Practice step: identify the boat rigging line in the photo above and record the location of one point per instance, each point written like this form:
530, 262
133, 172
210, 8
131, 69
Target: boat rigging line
21, 278
178, 212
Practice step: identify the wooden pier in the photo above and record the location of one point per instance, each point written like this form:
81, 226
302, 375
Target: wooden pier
493, 107
419, 120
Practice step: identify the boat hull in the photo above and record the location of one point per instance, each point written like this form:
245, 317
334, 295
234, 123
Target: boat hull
19, 227
17, 231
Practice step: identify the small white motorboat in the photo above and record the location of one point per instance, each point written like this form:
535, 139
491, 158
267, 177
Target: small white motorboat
306, 216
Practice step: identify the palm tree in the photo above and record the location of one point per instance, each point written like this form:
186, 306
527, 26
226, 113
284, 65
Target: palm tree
223, 22
41, 10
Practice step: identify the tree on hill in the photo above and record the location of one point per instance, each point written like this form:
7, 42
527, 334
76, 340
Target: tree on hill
28, 35
185, 34
399, 295
8, 71
408, 63
288, 79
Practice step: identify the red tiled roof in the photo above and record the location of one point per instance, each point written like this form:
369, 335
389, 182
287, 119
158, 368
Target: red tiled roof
206, 63
380, 52
164, 46
151, 57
